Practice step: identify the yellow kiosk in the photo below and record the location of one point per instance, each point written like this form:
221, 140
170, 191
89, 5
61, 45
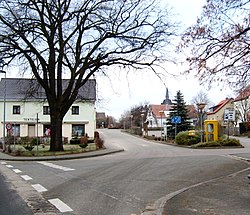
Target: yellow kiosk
211, 130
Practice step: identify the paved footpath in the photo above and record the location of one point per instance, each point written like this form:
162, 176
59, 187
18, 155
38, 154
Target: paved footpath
228, 195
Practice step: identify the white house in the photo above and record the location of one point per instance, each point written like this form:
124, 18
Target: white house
29, 115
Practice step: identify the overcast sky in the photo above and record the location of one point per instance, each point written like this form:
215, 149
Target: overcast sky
127, 91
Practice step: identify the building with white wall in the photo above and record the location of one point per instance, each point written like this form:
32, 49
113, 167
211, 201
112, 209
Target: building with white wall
29, 115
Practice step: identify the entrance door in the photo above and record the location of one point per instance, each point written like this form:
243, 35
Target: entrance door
31, 131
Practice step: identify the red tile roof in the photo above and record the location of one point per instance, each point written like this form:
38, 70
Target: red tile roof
157, 108
220, 105
243, 94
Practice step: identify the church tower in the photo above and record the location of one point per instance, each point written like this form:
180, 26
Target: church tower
166, 101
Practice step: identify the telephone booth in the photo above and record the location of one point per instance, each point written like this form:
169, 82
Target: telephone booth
211, 130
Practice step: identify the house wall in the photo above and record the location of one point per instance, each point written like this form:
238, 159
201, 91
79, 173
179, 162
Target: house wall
242, 107
219, 115
27, 119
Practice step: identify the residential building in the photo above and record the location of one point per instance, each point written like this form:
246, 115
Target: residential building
242, 108
217, 112
27, 111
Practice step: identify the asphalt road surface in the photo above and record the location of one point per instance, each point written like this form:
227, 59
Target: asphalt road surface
138, 180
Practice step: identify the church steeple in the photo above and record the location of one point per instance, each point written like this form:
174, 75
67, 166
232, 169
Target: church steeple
166, 101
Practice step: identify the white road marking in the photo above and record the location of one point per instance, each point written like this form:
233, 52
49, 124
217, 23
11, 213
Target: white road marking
3, 162
17, 170
39, 188
55, 166
26, 177
61, 206
9, 166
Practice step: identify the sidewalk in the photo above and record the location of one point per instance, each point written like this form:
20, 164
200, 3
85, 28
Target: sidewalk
100, 152
227, 195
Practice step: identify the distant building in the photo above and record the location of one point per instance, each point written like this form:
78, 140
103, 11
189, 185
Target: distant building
101, 120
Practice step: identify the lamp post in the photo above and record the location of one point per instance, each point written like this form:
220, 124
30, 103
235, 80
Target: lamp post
161, 112
201, 106
131, 121
4, 108
142, 115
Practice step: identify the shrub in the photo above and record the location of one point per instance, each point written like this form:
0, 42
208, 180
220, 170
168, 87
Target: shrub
83, 145
230, 142
75, 141
99, 143
34, 141
182, 138
29, 147
207, 144
91, 140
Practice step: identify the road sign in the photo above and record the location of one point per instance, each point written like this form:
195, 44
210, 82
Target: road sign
176, 119
8, 126
229, 115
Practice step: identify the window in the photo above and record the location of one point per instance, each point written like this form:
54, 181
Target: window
75, 110
16, 109
78, 130
46, 110
16, 130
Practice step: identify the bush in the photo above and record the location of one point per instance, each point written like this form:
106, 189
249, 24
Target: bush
83, 145
183, 138
99, 143
230, 142
207, 144
75, 141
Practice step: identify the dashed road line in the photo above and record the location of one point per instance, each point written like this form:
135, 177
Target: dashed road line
26, 177
9, 166
61, 206
16, 170
3, 163
55, 166
39, 188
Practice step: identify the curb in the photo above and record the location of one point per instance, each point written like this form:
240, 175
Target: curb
98, 153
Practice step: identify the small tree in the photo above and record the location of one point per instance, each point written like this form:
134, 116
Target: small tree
178, 108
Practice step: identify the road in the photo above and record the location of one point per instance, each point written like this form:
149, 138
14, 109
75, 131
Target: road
138, 180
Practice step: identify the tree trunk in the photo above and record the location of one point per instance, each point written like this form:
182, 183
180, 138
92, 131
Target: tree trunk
56, 143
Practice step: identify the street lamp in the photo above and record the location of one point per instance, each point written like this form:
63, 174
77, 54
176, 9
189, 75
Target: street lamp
201, 106
142, 115
161, 112
4, 108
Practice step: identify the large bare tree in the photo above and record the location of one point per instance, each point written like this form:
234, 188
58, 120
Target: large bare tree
76, 39
219, 43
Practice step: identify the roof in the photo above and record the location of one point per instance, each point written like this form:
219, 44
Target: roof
157, 108
100, 115
244, 94
22, 88
220, 105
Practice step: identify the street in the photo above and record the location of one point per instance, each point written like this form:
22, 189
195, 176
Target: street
143, 178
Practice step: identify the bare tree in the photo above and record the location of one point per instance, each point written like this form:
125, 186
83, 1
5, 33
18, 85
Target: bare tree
219, 43
201, 97
77, 39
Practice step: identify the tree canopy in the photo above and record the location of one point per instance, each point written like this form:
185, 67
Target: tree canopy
56, 39
219, 43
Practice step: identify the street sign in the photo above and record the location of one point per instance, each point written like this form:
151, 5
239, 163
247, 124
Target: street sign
176, 119
8, 126
229, 115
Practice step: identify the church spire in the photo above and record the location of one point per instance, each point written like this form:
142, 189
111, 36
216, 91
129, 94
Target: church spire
166, 101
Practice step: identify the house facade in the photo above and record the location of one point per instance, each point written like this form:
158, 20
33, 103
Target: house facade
217, 112
28, 115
